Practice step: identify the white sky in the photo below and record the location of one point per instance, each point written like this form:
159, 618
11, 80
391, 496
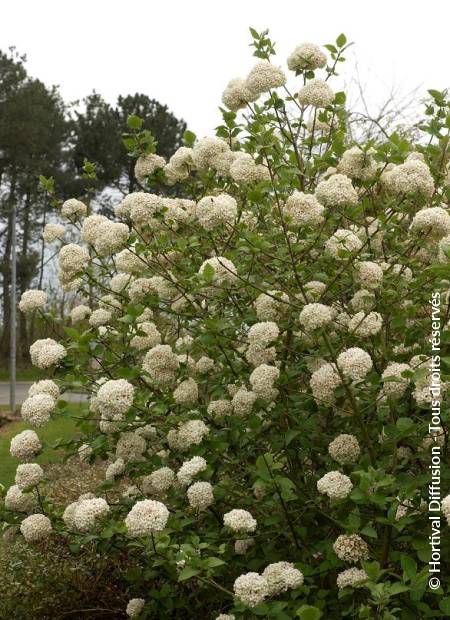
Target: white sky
184, 52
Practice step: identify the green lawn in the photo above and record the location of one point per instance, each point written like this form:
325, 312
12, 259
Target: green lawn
61, 426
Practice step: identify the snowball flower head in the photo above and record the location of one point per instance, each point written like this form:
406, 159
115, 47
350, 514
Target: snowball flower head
354, 363
282, 576
79, 313
395, 388
316, 93
45, 386
208, 153
72, 259
214, 211
147, 165
200, 495
351, 578
262, 380
303, 210
36, 527
73, 209
365, 325
337, 191
245, 170
357, 164
263, 77
32, 300
251, 589
323, 382
369, 274
224, 270
134, 607
271, 306
18, 501
186, 393
159, 481
434, 221
239, 521
115, 396
236, 95
306, 56
413, 178
344, 449
335, 485
36, 409
28, 475
445, 506
146, 517
263, 333
351, 548
90, 228
25, 446
131, 447
53, 232
161, 363
88, 512
111, 237
189, 469
315, 316
100, 317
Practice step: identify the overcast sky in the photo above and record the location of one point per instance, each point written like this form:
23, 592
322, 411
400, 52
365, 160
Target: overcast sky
184, 52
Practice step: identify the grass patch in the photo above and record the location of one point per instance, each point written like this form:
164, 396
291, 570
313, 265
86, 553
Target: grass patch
23, 374
61, 426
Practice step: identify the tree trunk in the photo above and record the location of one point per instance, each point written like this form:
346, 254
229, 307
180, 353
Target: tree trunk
6, 275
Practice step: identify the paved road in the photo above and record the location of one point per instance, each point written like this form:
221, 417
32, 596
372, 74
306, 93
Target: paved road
22, 388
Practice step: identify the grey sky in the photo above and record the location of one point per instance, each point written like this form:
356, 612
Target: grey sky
183, 53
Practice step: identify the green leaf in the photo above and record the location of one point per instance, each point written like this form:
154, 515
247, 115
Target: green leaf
187, 573
134, 122
308, 612
409, 566
341, 40
444, 606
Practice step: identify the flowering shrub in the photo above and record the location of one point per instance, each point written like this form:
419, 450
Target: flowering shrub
257, 357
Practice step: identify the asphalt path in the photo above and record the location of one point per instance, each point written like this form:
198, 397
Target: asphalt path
22, 388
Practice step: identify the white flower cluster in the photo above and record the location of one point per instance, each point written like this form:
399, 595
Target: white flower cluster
351, 548
306, 56
236, 95
100, 317
212, 153
243, 401
251, 588
354, 363
46, 352
188, 434
179, 166
323, 383
303, 209
115, 396
89, 229
146, 517
335, 485
351, 578
147, 165
357, 164
18, 501
445, 506
79, 313
73, 209
111, 237
282, 576
131, 447
262, 381
411, 178
224, 270
369, 274
244, 169
37, 409
215, 211
114, 469
161, 364
239, 520
151, 339
28, 475
53, 232
316, 93
25, 446
271, 306
397, 386
344, 449
316, 316
32, 300
341, 242
189, 469
72, 259
45, 386
85, 514
36, 527
263, 77
186, 393
159, 481
134, 607
433, 221
337, 191
365, 325
200, 495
